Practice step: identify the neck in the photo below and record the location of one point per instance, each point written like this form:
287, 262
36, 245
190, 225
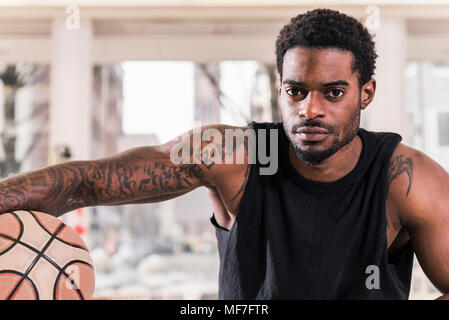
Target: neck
334, 167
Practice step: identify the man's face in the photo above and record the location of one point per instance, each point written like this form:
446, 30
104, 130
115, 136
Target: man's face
320, 101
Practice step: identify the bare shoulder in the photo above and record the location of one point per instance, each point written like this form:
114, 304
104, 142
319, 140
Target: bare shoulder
416, 185
419, 186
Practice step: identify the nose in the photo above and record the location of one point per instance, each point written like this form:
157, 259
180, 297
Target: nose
310, 107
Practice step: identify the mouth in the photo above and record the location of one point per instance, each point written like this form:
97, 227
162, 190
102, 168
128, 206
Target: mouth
314, 134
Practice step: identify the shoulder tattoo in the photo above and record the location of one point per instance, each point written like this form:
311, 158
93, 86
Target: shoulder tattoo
399, 165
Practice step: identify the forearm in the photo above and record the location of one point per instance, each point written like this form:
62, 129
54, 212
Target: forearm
52, 190
443, 297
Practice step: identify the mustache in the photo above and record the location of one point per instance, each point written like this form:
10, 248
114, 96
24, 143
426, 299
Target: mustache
313, 123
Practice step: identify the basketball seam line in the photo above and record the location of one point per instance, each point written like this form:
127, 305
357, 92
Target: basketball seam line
2, 235
36, 293
38, 222
39, 255
61, 270
13, 244
45, 229
50, 260
15, 240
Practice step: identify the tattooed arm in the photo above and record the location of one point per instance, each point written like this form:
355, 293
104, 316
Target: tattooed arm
139, 175
419, 188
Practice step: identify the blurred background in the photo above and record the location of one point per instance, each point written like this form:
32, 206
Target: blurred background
86, 79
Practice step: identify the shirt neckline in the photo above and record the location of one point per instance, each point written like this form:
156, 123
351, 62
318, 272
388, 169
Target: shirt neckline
319, 186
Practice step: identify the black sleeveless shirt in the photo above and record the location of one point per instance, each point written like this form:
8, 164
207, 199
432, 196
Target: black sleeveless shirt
295, 238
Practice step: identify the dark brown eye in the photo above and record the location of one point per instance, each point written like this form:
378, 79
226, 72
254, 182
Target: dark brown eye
336, 93
294, 92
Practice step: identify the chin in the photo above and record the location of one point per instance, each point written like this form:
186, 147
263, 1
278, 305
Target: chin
314, 153
314, 156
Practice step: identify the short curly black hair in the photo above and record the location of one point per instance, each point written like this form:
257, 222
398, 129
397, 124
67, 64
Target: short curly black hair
325, 28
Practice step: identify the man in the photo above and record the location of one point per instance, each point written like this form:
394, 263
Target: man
341, 216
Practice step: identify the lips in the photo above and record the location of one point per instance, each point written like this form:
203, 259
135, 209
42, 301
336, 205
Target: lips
312, 133
311, 130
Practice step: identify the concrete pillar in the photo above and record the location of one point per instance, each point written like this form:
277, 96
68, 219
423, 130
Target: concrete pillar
70, 103
387, 111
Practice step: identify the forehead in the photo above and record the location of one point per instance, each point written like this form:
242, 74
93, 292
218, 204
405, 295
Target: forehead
304, 64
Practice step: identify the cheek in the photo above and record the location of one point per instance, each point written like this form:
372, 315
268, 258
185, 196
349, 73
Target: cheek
287, 112
345, 113
350, 124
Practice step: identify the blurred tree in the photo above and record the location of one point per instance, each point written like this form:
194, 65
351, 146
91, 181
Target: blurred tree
274, 87
226, 102
13, 77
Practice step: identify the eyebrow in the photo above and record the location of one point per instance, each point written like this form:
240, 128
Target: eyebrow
328, 84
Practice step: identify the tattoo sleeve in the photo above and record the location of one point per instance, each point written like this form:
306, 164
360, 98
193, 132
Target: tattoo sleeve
400, 165
140, 175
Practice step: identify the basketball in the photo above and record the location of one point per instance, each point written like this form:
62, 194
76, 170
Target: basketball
41, 258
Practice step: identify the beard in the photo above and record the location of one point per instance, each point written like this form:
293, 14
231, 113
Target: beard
313, 157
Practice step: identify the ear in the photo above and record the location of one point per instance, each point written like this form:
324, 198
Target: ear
367, 93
